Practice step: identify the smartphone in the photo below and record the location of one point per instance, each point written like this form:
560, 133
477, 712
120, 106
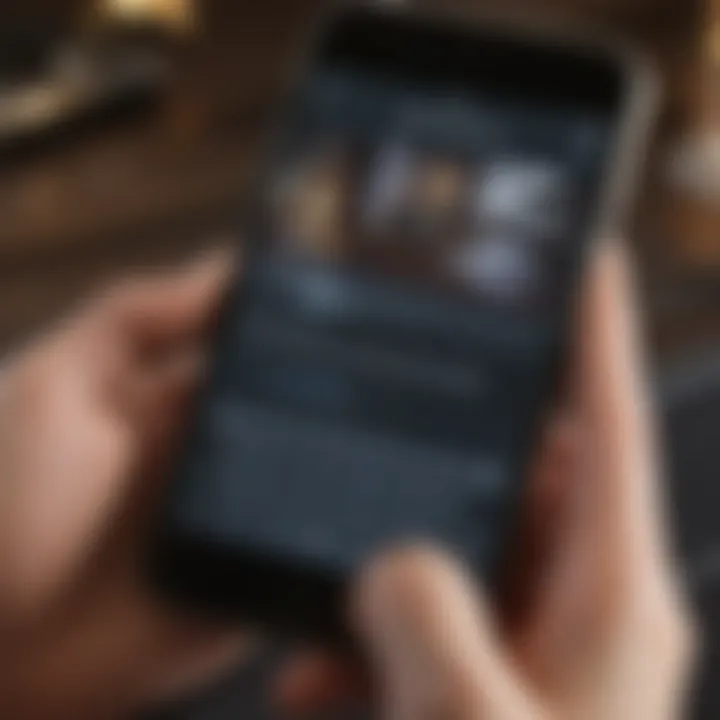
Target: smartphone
383, 365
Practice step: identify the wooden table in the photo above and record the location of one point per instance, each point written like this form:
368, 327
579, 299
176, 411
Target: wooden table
152, 189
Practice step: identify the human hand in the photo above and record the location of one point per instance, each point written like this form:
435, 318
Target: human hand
599, 630
89, 416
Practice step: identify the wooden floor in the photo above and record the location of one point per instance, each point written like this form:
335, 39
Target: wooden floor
154, 189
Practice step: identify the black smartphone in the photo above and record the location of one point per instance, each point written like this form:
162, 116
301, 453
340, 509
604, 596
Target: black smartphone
383, 365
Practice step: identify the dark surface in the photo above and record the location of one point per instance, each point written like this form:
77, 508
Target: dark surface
692, 431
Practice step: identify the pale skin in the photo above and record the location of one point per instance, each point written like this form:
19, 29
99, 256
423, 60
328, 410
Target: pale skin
89, 418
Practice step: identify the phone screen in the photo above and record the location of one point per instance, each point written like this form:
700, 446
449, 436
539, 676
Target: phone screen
384, 363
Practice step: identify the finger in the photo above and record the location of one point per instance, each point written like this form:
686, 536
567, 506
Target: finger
542, 526
160, 418
178, 307
317, 681
610, 533
615, 410
164, 395
432, 643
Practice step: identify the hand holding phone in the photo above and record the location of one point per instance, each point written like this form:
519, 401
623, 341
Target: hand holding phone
381, 372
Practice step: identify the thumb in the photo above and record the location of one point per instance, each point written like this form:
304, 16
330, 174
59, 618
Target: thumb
176, 308
432, 644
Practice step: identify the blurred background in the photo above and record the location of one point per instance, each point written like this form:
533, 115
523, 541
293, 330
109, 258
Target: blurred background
129, 130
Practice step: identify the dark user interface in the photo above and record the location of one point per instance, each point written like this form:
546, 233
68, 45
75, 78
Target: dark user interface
385, 360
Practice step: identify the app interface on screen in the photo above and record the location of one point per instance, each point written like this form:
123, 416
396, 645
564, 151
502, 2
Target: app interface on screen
395, 331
